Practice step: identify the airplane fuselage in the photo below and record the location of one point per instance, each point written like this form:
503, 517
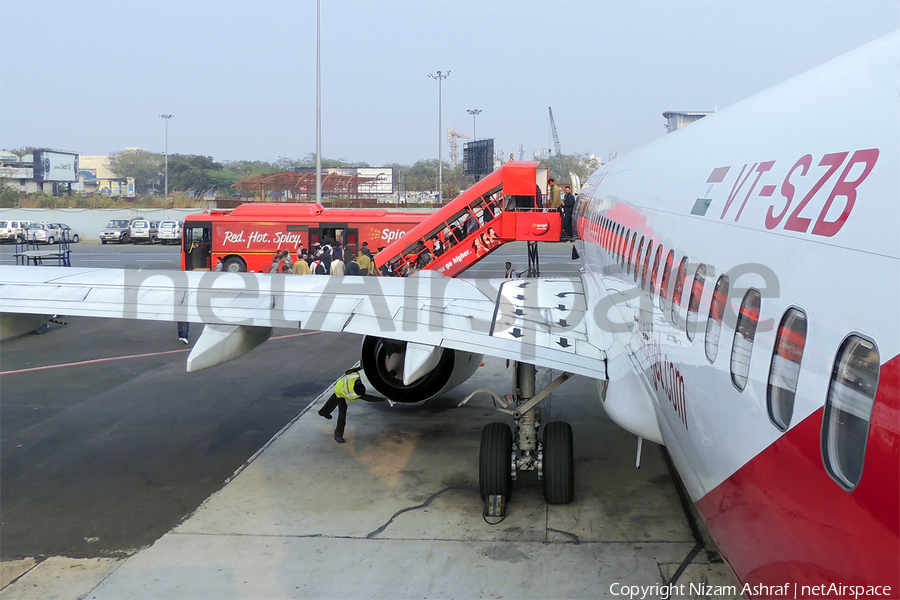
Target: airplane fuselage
773, 381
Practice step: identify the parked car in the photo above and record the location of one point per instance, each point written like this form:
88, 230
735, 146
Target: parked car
12, 230
142, 230
169, 232
50, 233
117, 230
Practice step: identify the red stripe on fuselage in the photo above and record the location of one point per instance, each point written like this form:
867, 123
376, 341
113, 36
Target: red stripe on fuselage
781, 518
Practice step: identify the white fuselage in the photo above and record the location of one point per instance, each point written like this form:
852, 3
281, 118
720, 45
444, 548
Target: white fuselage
793, 192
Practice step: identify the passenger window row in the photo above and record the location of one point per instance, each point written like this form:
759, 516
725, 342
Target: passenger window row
854, 378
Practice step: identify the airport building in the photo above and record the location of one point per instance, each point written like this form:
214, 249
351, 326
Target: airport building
81, 173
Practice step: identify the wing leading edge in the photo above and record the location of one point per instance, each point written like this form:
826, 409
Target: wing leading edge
538, 321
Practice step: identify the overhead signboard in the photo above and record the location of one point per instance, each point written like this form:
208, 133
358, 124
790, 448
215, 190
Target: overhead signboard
478, 157
55, 166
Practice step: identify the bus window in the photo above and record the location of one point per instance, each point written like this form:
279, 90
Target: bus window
785, 368
744, 333
848, 410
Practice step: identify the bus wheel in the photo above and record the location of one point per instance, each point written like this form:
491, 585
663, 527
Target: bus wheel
235, 264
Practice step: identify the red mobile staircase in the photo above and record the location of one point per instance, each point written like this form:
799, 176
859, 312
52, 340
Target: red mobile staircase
500, 208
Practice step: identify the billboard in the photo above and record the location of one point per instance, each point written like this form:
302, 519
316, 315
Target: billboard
55, 166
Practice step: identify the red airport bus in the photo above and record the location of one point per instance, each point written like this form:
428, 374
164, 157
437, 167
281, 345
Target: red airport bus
247, 237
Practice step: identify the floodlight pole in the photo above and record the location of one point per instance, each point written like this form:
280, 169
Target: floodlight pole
318, 107
166, 118
474, 112
440, 77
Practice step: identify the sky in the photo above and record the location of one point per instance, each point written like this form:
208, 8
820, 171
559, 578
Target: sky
239, 77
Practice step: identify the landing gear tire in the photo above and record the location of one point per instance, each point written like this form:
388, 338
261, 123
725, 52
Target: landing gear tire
559, 463
495, 461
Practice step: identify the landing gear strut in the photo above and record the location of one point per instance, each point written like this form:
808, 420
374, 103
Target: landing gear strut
503, 453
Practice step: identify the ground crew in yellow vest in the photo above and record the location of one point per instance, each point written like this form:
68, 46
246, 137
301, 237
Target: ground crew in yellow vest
349, 387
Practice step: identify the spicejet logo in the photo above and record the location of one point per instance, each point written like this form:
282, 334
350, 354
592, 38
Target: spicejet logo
540, 226
389, 235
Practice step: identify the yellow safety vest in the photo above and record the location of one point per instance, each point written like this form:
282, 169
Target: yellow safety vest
344, 387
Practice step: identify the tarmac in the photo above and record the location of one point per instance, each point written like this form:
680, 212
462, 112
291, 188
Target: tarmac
395, 513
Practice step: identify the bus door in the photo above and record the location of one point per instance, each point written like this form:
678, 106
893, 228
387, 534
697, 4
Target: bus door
196, 246
332, 231
350, 244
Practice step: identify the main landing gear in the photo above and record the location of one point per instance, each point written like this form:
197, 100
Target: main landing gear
504, 451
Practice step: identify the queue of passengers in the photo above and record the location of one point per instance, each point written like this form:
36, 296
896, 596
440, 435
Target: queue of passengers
325, 259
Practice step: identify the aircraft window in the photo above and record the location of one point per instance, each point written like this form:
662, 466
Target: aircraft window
637, 259
618, 247
714, 322
605, 234
664, 284
848, 410
785, 368
646, 269
655, 273
617, 243
610, 241
694, 302
678, 289
744, 332
624, 244
631, 250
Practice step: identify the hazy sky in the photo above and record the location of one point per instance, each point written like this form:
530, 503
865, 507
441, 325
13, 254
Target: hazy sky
239, 76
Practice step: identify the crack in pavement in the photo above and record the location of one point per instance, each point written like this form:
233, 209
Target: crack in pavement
427, 502
575, 538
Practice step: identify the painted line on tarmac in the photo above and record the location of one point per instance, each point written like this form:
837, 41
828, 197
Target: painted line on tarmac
131, 356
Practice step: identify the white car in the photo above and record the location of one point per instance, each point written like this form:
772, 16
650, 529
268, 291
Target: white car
10, 231
50, 233
142, 230
169, 231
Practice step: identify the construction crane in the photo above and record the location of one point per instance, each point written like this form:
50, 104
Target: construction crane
452, 134
559, 160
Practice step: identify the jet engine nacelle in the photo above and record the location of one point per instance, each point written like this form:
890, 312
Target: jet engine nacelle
428, 370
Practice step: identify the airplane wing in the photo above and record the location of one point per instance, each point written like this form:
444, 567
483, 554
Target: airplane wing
538, 321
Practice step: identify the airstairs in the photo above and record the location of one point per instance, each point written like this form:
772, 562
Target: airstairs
505, 206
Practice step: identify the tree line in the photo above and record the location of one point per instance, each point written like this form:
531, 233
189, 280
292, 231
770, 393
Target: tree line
204, 175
